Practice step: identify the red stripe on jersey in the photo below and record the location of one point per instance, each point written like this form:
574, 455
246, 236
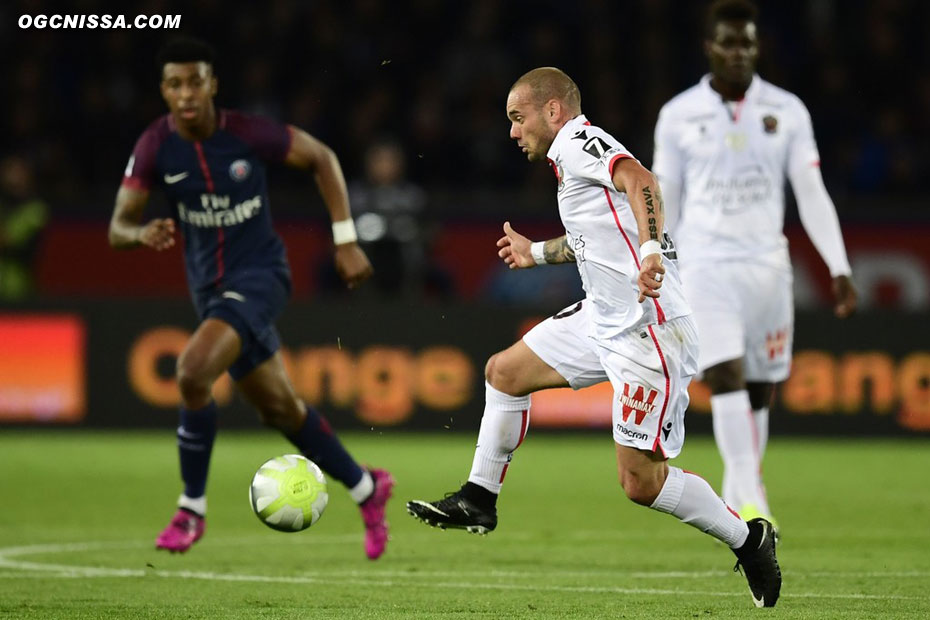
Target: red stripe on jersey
738, 110
660, 315
203, 166
816, 164
668, 385
614, 160
220, 237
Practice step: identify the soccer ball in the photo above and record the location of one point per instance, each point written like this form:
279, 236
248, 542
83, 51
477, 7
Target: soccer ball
288, 493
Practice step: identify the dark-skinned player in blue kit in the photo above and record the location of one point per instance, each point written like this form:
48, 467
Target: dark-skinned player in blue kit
211, 165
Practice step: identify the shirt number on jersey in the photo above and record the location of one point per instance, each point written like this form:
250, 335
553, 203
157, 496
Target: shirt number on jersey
595, 147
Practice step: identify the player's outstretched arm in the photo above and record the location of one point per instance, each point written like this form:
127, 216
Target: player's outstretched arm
518, 252
126, 229
645, 198
308, 153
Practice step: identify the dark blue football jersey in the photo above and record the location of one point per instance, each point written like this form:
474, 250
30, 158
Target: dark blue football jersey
218, 190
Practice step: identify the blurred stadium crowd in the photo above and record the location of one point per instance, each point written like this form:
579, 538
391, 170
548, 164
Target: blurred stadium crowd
433, 75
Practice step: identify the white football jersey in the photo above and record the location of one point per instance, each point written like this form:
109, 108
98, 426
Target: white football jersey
730, 161
602, 231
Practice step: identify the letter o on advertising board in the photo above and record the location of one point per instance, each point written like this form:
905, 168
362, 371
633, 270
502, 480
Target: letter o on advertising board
148, 383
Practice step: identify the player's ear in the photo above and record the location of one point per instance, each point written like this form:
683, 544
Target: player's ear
553, 109
214, 86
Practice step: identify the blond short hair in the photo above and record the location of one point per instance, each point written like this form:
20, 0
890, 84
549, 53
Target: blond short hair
548, 83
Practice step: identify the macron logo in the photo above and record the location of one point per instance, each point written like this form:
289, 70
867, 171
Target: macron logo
171, 179
638, 402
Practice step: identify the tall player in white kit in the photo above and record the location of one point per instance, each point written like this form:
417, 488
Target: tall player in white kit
723, 150
632, 328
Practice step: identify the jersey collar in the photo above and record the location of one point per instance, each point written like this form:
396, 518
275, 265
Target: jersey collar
566, 129
751, 92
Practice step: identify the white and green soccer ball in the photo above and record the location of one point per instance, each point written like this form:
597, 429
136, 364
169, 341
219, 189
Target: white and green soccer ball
288, 493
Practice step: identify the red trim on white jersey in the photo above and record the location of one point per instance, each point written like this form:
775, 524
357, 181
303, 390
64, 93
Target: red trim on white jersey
555, 171
816, 164
738, 109
660, 315
668, 386
614, 160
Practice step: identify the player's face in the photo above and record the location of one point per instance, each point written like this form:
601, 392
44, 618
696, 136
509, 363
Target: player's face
733, 51
528, 124
188, 88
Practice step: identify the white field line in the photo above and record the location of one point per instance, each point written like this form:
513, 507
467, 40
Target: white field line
20, 569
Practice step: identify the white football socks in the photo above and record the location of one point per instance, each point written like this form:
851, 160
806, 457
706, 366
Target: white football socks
197, 505
738, 443
689, 497
503, 427
761, 417
362, 491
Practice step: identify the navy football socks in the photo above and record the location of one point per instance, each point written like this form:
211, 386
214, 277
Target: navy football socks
316, 440
195, 443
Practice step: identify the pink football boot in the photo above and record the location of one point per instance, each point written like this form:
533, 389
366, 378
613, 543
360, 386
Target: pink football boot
185, 529
376, 528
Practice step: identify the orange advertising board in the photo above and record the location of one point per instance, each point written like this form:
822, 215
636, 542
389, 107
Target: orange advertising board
42, 370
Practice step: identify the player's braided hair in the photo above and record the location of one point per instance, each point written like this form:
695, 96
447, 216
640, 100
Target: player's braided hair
729, 10
185, 49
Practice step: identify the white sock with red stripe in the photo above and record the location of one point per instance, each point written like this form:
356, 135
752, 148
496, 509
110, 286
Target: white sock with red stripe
689, 497
503, 426
738, 443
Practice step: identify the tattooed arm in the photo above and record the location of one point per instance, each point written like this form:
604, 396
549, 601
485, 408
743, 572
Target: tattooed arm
645, 198
558, 250
516, 250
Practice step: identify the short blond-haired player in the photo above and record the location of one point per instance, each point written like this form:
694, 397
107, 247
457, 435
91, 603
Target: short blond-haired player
723, 150
632, 328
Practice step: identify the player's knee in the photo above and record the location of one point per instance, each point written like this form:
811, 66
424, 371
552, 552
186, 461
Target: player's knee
502, 375
281, 414
725, 377
640, 489
194, 381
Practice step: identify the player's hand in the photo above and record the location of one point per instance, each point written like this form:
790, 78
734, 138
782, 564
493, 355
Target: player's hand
651, 273
352, 265
157, 234
844, 296
515, 249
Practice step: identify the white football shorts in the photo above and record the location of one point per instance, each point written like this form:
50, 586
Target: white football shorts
649, 369
743, 311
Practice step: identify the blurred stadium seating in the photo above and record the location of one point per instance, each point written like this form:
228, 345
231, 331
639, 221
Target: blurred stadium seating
433, 75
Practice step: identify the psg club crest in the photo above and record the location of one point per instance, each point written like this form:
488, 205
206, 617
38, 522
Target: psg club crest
239, 170
769, 123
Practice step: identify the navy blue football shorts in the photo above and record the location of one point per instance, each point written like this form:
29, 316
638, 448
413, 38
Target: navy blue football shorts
250, 303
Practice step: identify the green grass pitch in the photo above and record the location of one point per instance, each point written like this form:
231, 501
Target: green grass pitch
81, 510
